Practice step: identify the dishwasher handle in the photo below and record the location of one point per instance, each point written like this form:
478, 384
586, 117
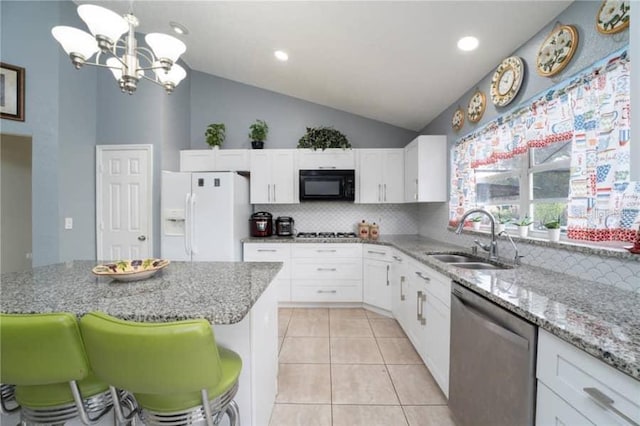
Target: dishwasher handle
489, 325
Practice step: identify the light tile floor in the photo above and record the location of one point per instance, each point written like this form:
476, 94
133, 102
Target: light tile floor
352, 367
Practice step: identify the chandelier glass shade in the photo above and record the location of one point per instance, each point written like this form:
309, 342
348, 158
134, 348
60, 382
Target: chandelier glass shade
113, 42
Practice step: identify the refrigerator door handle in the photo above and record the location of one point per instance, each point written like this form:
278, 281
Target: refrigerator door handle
192, 234
187, 223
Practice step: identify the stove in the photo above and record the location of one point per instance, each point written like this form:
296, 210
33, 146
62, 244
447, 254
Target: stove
327, 235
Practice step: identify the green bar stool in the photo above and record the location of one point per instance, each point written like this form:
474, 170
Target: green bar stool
175, 370
43, 356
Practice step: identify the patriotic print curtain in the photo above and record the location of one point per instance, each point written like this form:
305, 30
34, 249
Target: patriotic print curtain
592, 112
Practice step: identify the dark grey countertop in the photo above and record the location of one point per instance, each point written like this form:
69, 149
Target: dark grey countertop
601, 319
220, 292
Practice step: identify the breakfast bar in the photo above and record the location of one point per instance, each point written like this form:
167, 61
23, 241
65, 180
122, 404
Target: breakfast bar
235, 297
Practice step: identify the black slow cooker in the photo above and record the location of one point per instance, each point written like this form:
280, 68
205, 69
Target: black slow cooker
261, 224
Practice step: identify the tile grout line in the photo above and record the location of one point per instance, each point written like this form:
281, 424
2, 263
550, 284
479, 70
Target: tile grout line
404, 414
330, 367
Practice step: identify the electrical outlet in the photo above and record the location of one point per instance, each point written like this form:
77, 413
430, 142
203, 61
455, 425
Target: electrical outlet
68, 223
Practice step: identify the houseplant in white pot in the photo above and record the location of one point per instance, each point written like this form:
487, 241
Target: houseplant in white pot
553, 229
215, 135
258, 132
523, 226
475, 222
502, 219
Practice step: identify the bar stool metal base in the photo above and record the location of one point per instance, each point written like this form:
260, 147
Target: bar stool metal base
210, 414
96, 406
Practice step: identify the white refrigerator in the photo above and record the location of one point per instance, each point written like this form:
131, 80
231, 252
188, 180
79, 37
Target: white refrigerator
204, 216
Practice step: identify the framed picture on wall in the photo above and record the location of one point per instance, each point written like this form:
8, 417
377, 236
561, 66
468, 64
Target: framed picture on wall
11, 92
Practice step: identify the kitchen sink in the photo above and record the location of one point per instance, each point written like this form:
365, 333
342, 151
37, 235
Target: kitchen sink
480, 265
454, 258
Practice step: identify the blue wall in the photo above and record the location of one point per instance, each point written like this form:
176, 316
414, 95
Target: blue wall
592, 47
69, 112
217, 100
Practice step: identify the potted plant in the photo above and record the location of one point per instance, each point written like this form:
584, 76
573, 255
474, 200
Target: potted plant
475, 222
523, 225
323, 138
215, 135
553, 229
502, 219
258, 133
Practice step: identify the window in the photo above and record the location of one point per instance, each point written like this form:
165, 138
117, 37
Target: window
562, 156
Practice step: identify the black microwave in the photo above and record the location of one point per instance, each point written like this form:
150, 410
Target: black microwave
325, 185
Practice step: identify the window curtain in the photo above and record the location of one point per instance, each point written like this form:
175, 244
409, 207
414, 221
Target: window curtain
592, 112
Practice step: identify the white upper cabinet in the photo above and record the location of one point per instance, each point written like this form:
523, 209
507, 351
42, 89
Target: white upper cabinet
425, 169
329, 159
381, 176
273, 176
214, 160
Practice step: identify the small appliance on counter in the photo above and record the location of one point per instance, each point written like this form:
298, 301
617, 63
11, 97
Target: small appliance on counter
284, 226
261, 224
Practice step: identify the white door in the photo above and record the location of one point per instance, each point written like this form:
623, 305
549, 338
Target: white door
124, 181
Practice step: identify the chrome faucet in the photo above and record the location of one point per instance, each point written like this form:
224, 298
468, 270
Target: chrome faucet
492, 247
516, 257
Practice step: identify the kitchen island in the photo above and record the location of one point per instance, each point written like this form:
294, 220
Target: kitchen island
236, 297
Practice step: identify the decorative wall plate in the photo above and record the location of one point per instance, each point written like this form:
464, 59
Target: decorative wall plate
613, 16
477, 105
556, 50
506, 81
457, 121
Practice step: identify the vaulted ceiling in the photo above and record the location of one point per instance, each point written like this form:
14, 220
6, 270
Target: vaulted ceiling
392, 61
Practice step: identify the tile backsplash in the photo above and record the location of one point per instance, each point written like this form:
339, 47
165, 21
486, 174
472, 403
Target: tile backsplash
622, 273
344, 217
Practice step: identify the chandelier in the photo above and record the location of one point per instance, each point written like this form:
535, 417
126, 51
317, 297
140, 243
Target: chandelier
127, 61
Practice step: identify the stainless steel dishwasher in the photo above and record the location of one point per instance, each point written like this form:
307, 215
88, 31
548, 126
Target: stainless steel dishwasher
492, 376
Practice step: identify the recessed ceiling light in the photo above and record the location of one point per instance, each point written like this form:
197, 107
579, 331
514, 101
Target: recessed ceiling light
281, 55
178, 28
468, 43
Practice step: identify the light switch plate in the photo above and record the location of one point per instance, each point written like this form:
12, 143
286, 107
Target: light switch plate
68, 223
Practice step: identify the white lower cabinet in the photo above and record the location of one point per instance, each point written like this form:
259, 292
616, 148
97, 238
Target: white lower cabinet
376, 275
326, 273
273, 252
577, 388
425, 316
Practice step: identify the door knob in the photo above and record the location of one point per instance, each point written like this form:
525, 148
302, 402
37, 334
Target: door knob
142, 238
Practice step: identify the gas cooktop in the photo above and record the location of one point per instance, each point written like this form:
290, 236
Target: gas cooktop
326, 235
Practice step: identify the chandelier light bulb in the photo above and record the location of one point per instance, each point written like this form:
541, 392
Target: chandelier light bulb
281, 55
103, 23
79, 45
165, 46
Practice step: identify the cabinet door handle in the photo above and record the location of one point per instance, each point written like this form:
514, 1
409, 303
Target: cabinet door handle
423, 298
607, 403
327, 269
427, 279
402, 296
327, 167
397, 259
418, 299
385, 192
376, 252
326, 251
326, 291
274, 192
387, 275
268, 250
269, 192
416, 193
379, 192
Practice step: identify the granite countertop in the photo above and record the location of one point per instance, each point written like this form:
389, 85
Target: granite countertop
600, 319
220, 292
